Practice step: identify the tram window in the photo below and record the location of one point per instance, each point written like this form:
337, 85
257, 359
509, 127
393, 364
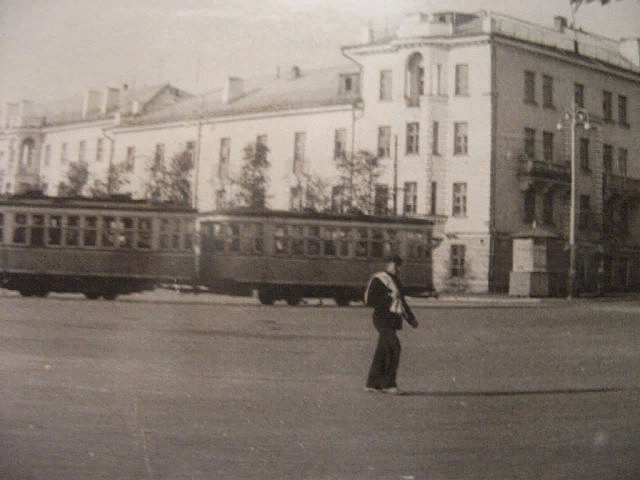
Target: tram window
144, 233
109, 232
72, 233
37, 230
206, 237
125, 234
90, 231
297, 239
328, 242
313, 240
218, 233
1, 226
362, 245
342, 236
376, 244
20, 230
281, 240
175, 234
188, 235
55, 230
164, 234
391, 242
258, 244
234, 237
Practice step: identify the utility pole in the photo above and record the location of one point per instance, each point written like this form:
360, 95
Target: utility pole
395, 174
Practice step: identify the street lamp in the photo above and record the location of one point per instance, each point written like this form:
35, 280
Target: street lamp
576, 117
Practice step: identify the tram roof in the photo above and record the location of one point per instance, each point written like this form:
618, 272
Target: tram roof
330, 216
113, 202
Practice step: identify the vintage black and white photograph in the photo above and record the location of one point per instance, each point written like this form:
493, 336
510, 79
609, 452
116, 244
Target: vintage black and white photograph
320, 240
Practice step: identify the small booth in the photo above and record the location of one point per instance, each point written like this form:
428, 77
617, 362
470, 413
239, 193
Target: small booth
539, 264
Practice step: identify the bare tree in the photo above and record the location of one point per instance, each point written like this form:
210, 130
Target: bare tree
358, 175
171, 183
115, 181
253, 182
76, 179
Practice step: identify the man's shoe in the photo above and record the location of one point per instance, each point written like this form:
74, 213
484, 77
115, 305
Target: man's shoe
371, 389
391, 390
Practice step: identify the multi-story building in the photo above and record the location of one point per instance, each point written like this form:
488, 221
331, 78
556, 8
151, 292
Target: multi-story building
471, 116
475, 101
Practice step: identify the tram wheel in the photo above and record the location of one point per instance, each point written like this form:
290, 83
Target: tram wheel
266, 297
342, 300
26, 292
92, 295
293, 299
109, 295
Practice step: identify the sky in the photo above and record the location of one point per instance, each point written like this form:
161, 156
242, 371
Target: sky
56, 49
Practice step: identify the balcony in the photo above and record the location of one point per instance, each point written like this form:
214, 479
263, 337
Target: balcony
621, 185
534, 172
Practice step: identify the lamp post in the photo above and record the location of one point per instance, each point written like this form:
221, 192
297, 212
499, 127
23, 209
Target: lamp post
576, 116
358, 104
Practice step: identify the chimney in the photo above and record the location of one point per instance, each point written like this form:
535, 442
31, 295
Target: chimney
560, 23
92, 102
368, 35
110, 100
630, 49
25, 109
295, 72
233, 89
10, 114
136, 107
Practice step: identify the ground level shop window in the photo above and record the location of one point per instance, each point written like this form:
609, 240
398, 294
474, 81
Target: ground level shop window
457, 260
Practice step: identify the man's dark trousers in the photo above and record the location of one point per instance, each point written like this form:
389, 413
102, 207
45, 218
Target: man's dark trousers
386, 359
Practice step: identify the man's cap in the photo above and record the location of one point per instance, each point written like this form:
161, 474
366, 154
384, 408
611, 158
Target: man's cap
397, 259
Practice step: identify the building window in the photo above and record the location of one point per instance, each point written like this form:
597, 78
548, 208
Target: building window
529, 206
530, 142
299, 143
584, 153
436, 80
340, 143
460, 138
435, 138
410, 197
295, 198
462, 79
457, 254
529, 87
607, 106
99, 149
385, 85
225, 156
384, 142
547, 145
421, 80
547, 91
547, 208
622, 110
82, 150
585, 212
64, 153
381, 199
158, 157
130, 162
578, 91
607, 158
434, 197
338, 199
622, 162
459, 204
413, 138
220, 198
47, 155
349, 83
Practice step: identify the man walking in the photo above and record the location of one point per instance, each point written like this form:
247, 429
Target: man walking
384, 294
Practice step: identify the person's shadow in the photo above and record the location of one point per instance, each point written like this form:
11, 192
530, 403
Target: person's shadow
508, 393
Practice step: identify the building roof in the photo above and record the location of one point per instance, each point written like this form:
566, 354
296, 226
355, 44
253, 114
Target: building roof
71, 110
313, 88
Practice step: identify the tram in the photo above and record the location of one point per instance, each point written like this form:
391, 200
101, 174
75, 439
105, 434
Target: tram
98, 247
287, 255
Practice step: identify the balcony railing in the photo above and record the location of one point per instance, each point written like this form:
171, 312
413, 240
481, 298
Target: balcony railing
622, 185
540, 169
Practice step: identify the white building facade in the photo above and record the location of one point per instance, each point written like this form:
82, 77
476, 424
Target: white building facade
460, 110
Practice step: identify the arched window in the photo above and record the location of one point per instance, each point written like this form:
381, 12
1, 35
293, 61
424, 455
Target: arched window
27, 152
415, 79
